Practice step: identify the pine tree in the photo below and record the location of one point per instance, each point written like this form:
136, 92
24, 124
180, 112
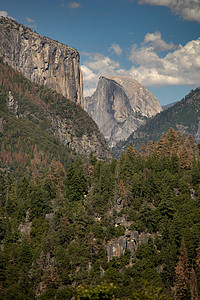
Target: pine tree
198, 258
182, 273
143, 150
151, 147
193, 285
172, 137
163, 146
76, 183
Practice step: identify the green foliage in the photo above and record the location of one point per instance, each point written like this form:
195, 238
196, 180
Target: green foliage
39, 202
62, 215
28, 141
102, 291
76, 186
149, 292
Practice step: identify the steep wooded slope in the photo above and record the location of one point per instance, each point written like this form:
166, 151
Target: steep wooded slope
122, 229
47, 112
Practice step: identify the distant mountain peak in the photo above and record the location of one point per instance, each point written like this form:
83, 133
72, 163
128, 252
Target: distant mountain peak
119, 106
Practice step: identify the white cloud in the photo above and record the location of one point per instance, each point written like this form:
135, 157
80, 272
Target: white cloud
188, 9
100, 63
95, 66
74, 4
148, 53
30, 20
158, 45
5, 15
89, 91
31, 23
89, 76
143, 55
180, 66
116, 48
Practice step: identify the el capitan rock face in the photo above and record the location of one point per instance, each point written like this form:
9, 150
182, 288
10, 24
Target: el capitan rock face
119, 106
41, 59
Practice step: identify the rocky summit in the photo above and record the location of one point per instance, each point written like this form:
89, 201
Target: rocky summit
41, 59
119, 106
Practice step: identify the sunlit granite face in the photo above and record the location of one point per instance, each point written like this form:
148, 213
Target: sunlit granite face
119, 106
41, 59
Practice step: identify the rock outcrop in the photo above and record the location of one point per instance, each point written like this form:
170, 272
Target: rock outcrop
12, 104
119, 106
41, 59
131, 240
84, 143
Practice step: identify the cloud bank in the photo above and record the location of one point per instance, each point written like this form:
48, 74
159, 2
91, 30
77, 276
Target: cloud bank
153, 63
188, 9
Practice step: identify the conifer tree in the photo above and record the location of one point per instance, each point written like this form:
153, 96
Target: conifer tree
163, 146
172, 137
150, 147
182, 273
198, 258
143, 150
76, 183
193, 285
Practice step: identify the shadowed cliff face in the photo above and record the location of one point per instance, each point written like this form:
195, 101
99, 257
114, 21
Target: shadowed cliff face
41, 59
119, 106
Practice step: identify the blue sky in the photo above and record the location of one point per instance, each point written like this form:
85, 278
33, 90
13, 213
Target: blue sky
157, 42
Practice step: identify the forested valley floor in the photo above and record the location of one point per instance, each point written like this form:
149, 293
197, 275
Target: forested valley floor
56, 223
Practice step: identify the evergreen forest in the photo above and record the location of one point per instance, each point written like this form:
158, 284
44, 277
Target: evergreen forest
83, 227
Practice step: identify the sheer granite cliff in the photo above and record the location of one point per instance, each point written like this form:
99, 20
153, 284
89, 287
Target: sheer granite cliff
119, 106
41, 59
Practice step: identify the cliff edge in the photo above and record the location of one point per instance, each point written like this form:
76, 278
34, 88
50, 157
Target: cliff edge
41, 59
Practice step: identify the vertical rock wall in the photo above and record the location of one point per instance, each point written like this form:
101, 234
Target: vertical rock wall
41, 59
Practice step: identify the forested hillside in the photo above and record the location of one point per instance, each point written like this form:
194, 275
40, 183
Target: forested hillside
33, 114
183, 116
119, 229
